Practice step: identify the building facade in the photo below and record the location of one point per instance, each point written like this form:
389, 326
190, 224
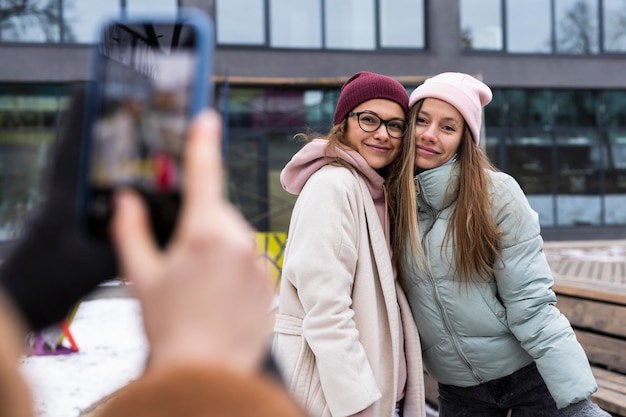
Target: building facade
557, 122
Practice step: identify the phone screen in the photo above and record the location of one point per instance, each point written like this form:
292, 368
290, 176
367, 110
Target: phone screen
145, 83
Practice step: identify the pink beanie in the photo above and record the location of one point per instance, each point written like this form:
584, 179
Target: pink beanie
364, 86
467, 94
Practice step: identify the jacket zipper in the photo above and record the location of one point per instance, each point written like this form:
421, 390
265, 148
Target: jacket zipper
444, 317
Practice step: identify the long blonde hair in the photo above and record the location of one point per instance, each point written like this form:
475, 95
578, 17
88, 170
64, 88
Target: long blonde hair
472, 229
405, 241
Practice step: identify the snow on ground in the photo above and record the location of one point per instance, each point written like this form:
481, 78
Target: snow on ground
112, 350
587, 251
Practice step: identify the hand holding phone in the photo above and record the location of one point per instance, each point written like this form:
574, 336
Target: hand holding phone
151, 77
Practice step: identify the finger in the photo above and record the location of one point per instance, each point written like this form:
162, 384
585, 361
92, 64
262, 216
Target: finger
133, 239
203, 168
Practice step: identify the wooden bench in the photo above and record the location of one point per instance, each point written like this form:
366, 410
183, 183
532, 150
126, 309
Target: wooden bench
598, 317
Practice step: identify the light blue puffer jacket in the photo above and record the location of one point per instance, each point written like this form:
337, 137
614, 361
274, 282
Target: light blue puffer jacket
484, 331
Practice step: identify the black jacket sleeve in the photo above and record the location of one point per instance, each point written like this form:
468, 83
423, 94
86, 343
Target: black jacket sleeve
53, 266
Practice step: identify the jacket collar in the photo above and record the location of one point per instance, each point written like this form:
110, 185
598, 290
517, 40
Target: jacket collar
437, 188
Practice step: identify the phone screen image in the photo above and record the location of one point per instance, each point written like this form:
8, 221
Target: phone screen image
144, 95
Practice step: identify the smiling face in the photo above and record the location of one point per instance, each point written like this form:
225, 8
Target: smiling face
378, 148
438, 133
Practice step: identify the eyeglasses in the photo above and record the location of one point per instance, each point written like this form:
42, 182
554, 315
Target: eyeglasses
370, 122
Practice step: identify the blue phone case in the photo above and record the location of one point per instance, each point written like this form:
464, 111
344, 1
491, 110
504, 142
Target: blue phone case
200, 96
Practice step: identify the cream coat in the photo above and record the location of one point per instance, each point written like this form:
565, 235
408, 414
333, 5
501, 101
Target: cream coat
337, 331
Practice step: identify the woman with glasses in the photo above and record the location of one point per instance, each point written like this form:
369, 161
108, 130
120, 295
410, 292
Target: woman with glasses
345, 339
481, 287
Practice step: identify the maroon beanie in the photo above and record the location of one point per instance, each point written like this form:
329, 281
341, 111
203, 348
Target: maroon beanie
364, 86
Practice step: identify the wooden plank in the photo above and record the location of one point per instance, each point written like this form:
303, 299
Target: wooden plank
595, 315
607, 271
611, 394
587, 289
609, 401
610, 380
603, 350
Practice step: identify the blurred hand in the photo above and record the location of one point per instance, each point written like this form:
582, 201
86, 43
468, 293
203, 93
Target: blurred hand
52, 266
205, 297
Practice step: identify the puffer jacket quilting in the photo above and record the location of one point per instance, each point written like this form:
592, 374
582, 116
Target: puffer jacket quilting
479, 332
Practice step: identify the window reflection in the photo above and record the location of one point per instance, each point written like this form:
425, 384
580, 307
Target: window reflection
529, 160
83, 17
400, 24
577, 26
350, 24
142, 7
530, 108
529, 155
481, 24
528, 26
30, 20
295, 24
261, 125
240, 22
614, 108
575, 108
614, 18
494, 115
615, 199
322, 24
580, 157
28, 124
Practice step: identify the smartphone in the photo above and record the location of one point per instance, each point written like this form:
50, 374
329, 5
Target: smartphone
150, 77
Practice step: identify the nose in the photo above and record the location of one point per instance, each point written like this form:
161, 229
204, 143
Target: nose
426, 132
381, 132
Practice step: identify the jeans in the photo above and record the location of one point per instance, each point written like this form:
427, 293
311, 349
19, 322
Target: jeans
523, 392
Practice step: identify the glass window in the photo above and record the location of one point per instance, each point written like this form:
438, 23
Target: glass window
402, 24
481, 24
580, 158
614, 105
493, 110
350, 24
615, 199
142, 7
39, 22
492, 148
577, 26
528, 26
240, 22
28, 125
575, 108
614, 19
580, 164
617, 153
529, 160
295, 24
82, 18
531, 108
